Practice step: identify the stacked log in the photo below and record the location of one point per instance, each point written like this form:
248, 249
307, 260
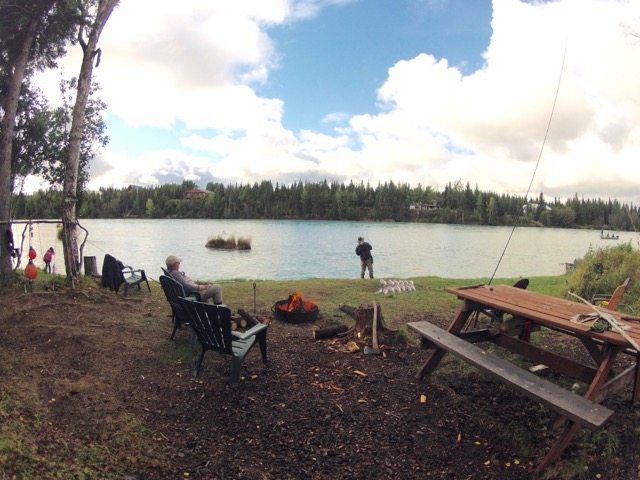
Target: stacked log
248, 318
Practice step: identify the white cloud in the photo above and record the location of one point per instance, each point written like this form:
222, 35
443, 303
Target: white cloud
198, 65
500, 113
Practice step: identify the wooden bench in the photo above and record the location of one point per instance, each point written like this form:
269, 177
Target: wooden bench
558, 399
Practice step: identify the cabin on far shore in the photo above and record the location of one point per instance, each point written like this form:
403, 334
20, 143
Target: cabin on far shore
196, 193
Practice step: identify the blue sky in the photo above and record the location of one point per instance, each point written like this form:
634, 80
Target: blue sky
336, 61
413, 91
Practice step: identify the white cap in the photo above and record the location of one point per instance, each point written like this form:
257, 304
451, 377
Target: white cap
171, 259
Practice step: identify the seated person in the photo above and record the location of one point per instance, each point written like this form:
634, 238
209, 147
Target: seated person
213, 290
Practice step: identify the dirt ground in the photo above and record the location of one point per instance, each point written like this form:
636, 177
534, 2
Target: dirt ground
101, 390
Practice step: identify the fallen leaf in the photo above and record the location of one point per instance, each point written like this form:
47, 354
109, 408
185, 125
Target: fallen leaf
352, 346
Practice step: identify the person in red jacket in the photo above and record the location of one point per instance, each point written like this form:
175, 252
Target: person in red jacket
48, 257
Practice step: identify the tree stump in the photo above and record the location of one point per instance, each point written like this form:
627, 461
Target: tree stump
363, 317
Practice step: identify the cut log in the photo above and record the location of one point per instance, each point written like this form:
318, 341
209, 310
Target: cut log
348, 310
329, 332
251, 320
239, 321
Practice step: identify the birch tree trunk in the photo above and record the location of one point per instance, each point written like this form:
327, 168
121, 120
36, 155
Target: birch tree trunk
72, 260
10, 106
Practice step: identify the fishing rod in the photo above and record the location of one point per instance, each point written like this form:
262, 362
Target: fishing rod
544, 141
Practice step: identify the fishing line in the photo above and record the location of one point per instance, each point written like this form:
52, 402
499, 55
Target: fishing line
544, 141
633, 224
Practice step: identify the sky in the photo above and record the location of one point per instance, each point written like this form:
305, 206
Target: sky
511, 96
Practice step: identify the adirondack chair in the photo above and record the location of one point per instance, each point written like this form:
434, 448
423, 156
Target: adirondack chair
212, 325
611, 301
174, 291
131, 277
115, 273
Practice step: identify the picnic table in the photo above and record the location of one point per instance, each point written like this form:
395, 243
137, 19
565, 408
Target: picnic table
529, 311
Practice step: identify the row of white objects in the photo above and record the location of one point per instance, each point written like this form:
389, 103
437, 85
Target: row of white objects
396, 286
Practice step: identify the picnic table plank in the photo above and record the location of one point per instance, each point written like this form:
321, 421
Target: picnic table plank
565, 402
552, 312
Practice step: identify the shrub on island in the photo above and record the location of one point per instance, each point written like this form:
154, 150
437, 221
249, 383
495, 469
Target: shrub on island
229, 242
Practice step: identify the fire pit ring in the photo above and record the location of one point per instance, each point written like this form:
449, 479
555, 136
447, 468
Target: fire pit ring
306, 311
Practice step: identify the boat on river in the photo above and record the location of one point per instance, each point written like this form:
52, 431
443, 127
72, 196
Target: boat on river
609, 236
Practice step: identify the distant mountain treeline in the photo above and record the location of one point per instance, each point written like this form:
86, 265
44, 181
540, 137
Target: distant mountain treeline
457, 203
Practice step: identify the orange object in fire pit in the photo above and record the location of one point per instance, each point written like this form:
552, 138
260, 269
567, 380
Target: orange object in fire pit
295, 310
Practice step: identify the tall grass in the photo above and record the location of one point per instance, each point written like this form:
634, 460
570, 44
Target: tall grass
601, 270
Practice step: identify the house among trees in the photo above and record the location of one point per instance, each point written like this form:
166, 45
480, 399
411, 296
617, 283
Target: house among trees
533, 207
424, 206
196, 193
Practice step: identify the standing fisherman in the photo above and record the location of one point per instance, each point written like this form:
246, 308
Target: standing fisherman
366, 259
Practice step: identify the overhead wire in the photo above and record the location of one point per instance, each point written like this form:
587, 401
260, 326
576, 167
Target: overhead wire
544, 141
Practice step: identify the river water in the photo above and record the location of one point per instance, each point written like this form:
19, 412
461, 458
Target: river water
299, 249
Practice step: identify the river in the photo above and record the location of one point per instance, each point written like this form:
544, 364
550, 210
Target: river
299, 249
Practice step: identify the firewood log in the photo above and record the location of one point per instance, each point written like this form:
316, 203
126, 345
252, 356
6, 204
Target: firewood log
251, 320
348, 310
329, 332
239, 321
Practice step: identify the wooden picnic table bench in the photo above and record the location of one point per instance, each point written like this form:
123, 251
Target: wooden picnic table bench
565, 402
529, 311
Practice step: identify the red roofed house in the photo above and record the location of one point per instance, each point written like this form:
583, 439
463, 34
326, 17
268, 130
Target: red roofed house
195, 193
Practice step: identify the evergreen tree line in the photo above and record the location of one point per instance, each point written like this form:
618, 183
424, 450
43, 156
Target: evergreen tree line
456, 204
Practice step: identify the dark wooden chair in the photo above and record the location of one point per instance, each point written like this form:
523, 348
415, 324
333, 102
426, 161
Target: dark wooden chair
174, 291
494, 314
212, 325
